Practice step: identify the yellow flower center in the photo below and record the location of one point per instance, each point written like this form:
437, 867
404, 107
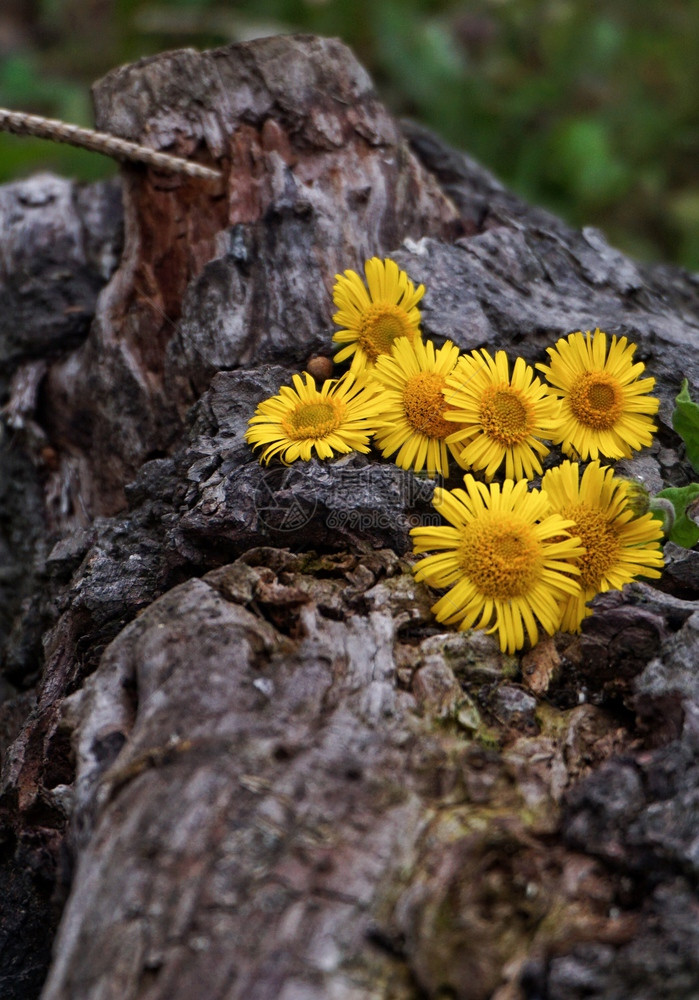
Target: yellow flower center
424, 404
599, 537
313, 420
596, 400
380, 326
501, 556
505, 414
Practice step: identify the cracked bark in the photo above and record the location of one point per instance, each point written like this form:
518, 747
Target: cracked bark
239, 757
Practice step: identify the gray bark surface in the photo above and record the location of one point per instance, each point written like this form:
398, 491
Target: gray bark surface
240, 758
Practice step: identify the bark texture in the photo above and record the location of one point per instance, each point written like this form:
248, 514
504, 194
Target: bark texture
240, 759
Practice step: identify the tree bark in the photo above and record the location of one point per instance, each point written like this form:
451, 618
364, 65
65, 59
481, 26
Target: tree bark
240, 759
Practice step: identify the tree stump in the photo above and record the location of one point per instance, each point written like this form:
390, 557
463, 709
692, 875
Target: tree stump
240, 758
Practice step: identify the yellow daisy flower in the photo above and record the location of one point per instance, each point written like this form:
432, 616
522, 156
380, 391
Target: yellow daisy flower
501, 418
412, 424
373, 319
619, 546
606, 409
339, 417
506, 559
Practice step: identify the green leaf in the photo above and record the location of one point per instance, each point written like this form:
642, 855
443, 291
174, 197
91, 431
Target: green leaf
582, 157
685, 531
685, 420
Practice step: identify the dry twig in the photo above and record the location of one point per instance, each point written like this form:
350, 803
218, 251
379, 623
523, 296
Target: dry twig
20, 123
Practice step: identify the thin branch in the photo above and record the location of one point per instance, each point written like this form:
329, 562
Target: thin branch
20, 123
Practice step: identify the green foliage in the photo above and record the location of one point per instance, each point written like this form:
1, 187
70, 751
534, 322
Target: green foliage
590, 109
685, 499
685, 420
684, 531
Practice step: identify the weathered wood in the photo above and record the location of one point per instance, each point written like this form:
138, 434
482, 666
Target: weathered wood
317, 176
252, 761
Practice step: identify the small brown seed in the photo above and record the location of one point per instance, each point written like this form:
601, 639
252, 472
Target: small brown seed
320, 367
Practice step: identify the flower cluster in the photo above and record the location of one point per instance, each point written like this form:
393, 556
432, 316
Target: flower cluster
512, 559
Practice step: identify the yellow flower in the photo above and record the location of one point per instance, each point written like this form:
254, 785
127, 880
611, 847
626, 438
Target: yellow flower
506, 559
619, 545
500, 418
339, 417
606, 409
413, 403
372, 320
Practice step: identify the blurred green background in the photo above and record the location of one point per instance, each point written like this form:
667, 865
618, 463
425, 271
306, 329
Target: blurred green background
589, 108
